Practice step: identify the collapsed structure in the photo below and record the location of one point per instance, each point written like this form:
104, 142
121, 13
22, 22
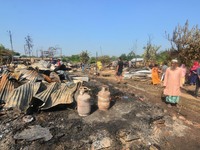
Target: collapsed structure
39, 87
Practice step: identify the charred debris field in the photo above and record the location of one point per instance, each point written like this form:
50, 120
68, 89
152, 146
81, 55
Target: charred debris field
131, 122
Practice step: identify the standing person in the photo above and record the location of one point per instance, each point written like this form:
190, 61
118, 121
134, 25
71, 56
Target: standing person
197, 82
184, 71
193, 73
119, 70
57, 65
163, 69
83, 67
129, 64
155, 75
172, 83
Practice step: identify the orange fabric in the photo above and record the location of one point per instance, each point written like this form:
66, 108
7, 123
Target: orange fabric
155, 76
172, 82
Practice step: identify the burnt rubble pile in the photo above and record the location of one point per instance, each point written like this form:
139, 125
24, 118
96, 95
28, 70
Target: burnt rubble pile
28, 89
127, 123
143, 74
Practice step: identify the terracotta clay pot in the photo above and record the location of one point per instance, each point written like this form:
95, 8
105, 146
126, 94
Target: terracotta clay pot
83, 102
104, 98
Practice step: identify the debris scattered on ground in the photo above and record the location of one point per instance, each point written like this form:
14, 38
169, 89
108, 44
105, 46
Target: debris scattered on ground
41, 113
28, 118
34, 133
101, 140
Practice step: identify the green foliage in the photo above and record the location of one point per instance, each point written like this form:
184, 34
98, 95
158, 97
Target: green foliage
16, 54
64, 59
72, 58
162, 56
150, 51
24, 56
105, 59
5, 52
75, 58
92, 60
113, 58
130, 56
123, 56
84, 56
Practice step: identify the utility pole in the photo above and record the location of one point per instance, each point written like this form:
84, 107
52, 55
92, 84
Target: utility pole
10, 35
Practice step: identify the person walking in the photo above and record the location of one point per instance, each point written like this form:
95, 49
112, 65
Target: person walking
197, 82
119, 70
184, 71
57, 65
163, 69
193, 73
172, 83
155, 75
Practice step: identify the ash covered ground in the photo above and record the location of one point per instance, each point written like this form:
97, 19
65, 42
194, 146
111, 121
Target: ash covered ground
132, 122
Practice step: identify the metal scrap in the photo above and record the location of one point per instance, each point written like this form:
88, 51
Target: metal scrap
45, 95
6, 86
138, 73
57, 93
28, 94
22, 96
30, 75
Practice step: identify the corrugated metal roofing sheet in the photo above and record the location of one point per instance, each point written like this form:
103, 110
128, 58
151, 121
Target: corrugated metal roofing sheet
15, 75
57, 93
30, 75
22, 96
6, 87
63, 95
45, 95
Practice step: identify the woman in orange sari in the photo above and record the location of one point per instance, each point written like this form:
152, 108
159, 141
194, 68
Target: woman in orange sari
155, 75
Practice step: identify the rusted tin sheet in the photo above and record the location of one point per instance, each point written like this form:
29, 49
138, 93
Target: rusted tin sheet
6, 87
57, 93
45, 95
63, 95
30, 75
21, 97
15, 75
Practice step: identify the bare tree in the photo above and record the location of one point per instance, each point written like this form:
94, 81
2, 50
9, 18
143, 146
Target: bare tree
185, 43
150, 51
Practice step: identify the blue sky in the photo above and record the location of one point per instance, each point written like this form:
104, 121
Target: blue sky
109, 27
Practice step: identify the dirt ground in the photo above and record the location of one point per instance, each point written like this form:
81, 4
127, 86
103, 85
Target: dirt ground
137, 119
190, 106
